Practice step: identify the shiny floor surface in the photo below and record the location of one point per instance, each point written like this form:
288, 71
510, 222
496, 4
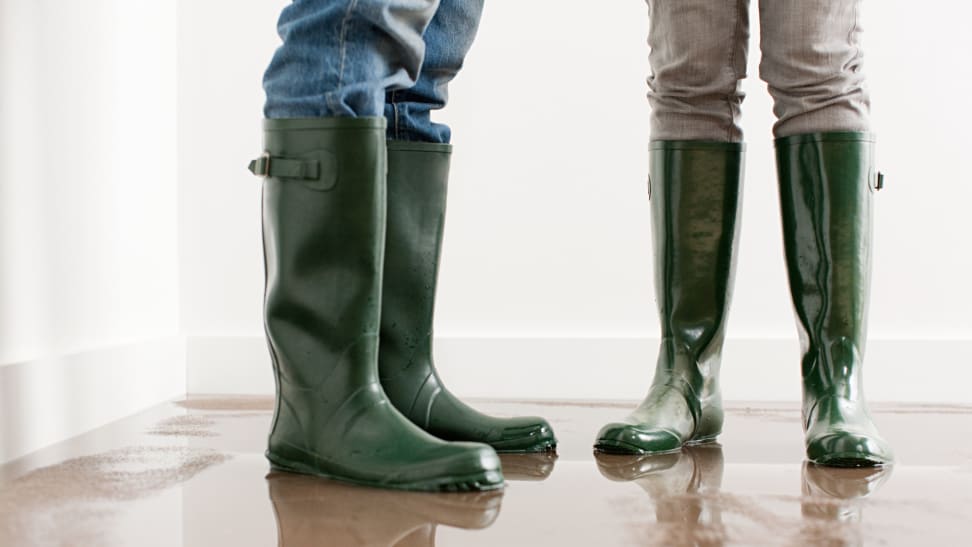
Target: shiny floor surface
192, 473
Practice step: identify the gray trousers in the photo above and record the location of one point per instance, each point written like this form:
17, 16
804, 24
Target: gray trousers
811, 61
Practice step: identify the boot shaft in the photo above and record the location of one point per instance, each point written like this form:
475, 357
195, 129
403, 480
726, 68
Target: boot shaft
324, 230
418, 176
826, 181
417, 180
695, 191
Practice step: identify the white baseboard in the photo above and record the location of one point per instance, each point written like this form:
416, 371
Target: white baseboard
228, 364
916, 370
49, 400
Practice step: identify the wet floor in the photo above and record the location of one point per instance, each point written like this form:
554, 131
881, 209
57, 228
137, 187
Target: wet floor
191, 473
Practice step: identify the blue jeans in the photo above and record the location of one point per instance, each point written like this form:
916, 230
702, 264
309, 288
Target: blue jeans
392, 58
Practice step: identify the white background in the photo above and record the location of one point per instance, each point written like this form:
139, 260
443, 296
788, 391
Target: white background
547, 236
88, 253
89, 294
547, 232
126, 212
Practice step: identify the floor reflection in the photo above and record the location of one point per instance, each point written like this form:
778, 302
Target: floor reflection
684, 487
833, 502
194, 474
690, 509
311, 511
528, 467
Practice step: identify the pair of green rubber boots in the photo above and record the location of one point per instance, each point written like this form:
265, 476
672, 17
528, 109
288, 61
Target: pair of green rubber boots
352, 234
826, 183
352, 227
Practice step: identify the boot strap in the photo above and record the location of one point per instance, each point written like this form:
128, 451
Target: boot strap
279, 167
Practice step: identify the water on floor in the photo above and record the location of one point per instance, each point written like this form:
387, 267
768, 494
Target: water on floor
192, 473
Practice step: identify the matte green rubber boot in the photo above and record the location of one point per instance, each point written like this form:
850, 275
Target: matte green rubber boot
417, 178
826, 184
324, 239
695, 201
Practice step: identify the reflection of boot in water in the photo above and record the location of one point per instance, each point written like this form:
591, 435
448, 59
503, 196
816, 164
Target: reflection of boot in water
683, 486
528, 467
311, 511
833, 500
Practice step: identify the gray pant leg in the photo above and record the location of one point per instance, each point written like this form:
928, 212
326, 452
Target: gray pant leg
698, 60
812, 64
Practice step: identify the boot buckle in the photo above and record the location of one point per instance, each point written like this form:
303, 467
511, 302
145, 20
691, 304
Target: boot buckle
875, 180
266, 164
261, 166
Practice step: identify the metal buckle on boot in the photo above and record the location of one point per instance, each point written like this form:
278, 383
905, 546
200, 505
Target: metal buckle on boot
875, 180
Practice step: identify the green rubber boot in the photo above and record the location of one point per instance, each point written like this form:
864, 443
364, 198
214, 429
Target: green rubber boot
826, 183
324, 239
695, 200
417, 178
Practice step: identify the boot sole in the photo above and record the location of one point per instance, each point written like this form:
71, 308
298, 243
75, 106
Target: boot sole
540, 449
476, 482
618, 447
848, 460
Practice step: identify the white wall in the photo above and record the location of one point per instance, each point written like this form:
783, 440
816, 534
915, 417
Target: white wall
87, 175
220, 105
87, 212
547, 233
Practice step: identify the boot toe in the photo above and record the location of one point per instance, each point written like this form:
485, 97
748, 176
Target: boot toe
622, 438
526, 434
456, 467
849, 449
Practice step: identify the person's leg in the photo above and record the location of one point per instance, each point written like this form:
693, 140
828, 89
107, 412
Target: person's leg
812, 63
324, 207
698, 61
418, 172
341, 57
698, 58
448, 39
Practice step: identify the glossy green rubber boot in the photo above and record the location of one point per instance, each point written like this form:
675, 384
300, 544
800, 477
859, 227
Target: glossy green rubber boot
324, 239
695, 201
417, 178
826, 185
